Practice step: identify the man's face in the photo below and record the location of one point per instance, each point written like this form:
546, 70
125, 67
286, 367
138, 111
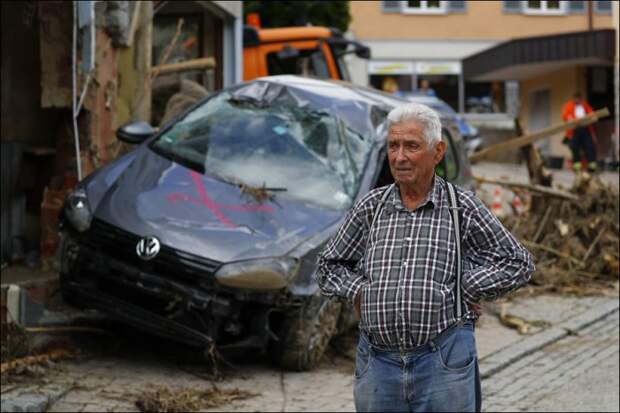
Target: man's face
412, 160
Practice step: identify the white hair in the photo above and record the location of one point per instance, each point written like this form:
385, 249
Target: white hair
431, 124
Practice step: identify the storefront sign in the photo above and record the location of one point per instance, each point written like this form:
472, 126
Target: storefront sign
438, 68
390, 68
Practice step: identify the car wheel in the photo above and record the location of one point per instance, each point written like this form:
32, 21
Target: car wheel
305, 333
67, 296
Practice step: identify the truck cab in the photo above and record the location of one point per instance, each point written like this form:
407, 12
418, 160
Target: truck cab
305, 51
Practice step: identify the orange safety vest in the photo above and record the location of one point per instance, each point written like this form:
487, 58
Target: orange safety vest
568, 114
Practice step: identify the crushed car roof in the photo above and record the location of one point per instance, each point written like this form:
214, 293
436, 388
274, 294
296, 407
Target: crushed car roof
363, 109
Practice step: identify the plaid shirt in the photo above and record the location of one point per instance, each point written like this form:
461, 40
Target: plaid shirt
404, 266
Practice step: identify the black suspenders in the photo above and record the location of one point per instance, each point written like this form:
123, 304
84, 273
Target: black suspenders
454, 212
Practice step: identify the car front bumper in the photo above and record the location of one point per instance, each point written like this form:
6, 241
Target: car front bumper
153, 302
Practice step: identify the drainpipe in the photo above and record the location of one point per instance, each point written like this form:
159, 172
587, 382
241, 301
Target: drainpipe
590, 22
74, 94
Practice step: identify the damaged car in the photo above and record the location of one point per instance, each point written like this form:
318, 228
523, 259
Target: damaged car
207, 233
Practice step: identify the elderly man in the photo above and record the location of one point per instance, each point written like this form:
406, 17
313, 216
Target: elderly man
395, 259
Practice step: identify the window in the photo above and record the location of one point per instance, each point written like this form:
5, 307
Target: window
544, 7
339, 51
485, 97
444, 86
602, 6
314, 155
291, 61
448, 168
392, 83
424, 7
187, 44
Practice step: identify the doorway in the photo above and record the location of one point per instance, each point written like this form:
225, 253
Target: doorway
540, 117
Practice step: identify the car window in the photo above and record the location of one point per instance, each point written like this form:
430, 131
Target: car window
308, 62
448, 168
314, 155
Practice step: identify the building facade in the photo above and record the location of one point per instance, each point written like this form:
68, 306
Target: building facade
428, 43
75, 71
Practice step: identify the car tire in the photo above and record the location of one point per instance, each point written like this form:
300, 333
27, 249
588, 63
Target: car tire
305, 334
67, 296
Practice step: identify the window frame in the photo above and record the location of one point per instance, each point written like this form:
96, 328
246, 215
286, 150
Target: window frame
544, 10
596, 8
424, 9
450, 147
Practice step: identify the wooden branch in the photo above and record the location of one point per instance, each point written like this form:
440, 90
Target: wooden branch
534, 188
539, 175
553, 251
134, 22
521, 141
543, 223
195, 64
29, 360
168, 50
596, 240
67, 329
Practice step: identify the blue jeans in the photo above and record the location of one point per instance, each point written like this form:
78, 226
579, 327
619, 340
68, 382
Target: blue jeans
440, 376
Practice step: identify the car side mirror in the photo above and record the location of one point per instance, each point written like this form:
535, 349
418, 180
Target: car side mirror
135, 132
363, 52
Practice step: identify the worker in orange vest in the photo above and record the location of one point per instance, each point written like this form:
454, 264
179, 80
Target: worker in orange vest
582, 138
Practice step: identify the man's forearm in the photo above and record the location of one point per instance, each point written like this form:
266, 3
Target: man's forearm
338, 280
491, 283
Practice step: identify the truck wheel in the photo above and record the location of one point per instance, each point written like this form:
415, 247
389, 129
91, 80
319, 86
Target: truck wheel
305, 334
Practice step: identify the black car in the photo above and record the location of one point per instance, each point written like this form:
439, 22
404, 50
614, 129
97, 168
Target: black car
208, 232
470, 134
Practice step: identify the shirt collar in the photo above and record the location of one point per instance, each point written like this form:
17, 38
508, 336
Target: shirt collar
433, 197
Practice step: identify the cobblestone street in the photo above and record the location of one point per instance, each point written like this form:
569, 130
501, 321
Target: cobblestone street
545, 379
545, 370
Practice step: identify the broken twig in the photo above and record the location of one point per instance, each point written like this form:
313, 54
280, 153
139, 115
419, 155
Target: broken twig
67, 329
533, 188
30, 360
543, 223
524, 140
530, 244
589, 251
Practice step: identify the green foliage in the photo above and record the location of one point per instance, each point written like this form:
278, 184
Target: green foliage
333, 13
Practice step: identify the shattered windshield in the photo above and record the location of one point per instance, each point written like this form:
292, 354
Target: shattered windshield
313, 155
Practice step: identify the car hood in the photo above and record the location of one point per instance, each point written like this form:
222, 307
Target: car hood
200, 214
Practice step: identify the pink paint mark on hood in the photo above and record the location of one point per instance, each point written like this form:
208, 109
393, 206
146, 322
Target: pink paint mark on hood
214, 207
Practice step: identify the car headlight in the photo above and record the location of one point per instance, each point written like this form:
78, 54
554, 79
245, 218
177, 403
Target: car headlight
259, 274
77, 210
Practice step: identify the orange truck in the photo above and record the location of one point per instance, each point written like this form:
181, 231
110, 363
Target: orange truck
306, 51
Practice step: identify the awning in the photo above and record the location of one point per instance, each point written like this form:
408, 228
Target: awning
528, 57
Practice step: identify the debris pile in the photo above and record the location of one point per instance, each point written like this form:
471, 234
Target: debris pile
573, 236
166, 399
21, 356
14, 342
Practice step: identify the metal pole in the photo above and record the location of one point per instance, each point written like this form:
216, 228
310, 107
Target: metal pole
74, 95
461, 93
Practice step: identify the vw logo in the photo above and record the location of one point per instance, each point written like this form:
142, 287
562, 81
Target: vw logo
148, 248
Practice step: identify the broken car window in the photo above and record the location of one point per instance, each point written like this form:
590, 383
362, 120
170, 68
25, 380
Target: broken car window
314, 155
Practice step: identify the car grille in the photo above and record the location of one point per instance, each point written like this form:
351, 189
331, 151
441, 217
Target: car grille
169, 263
